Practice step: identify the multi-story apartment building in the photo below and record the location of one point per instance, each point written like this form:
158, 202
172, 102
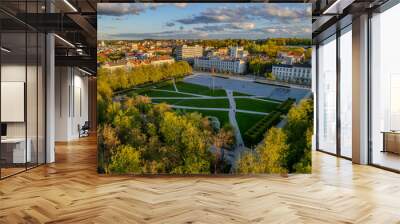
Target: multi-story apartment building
184, 52
220, 65
237, 52
298, 74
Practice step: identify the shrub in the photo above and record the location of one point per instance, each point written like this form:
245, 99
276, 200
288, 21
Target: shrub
126, 159
254, 134
285, 106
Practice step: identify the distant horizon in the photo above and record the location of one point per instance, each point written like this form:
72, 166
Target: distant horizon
305, 38
203, 21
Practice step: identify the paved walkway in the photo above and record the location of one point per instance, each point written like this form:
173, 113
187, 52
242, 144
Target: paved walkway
173, 83
238, 136
239, 84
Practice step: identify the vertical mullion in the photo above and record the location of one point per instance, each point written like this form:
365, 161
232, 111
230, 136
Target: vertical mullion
316, 97
338, 73
46, 3
369, 89
26, 85
37, 89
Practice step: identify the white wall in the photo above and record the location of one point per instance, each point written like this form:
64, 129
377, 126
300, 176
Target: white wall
71, 102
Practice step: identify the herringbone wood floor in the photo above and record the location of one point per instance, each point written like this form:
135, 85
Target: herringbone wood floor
70, 191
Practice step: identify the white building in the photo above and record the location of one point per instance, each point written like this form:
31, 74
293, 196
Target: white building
188, 52
237, 52
298, 74
162, 61
220, 65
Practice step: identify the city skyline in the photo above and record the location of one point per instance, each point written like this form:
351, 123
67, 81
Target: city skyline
138, 21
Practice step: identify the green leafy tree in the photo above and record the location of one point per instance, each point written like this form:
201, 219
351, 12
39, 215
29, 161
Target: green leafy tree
248, 163
126, 159
270, 76
299, 131
224, 137
271, 151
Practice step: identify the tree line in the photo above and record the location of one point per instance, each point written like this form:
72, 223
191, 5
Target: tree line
284, 150
127, 78
136, 136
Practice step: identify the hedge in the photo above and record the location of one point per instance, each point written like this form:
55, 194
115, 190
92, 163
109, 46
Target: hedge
255, 134
285, 106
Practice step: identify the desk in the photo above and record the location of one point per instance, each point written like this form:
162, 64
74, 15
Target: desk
391, 141
13, 150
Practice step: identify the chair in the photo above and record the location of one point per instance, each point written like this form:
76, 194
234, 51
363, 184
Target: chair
84, 130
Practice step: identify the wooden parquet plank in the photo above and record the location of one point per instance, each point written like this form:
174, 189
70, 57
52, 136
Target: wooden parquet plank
70, 191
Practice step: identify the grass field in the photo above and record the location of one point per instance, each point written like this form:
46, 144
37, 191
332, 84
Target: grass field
154, 93
222, 116
197, 89
167, 87
246, 121
209, 103
255, 105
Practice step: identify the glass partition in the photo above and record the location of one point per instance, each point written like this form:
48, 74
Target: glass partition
385, 89
346, 92
22, 88
327, 95
14, 154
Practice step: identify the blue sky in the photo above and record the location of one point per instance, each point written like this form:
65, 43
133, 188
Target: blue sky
136, 21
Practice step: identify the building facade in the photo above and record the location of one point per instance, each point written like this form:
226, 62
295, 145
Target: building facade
237, 52
188, 52
297, 74
290, 58
220, 65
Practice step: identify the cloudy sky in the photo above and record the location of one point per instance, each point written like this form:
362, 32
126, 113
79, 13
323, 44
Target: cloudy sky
135, 21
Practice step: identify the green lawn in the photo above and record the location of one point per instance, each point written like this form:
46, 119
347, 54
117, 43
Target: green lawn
153, 93
246, 121
222, 116
168, 101
255, 105
198, 89
211, 103
167, 87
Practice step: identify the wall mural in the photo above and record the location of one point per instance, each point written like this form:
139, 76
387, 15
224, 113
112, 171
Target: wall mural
204, 88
